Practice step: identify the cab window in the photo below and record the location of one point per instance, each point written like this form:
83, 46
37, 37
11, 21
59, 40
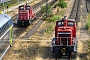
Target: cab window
70, 24
60, 24
21, 8
27, 7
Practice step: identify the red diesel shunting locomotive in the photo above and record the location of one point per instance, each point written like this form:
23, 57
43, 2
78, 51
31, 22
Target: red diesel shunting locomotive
25, 15
65, 41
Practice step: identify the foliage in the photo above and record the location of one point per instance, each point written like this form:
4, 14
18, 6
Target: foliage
88, 22
87, 25
49, 29
61, 0
51, 23
88, 42
53, 18
61, 4
43, 9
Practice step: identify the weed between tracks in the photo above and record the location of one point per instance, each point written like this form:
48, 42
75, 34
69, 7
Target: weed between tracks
88, 42
88, 27
88, 23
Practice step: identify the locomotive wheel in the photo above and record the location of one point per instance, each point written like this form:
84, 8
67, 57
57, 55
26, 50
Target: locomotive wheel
69, 56
26, 23
56, 53
56, 58
70, 53
19, 23
30, 21
52, 49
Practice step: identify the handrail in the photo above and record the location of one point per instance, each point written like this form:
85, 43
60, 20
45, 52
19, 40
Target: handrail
74, 40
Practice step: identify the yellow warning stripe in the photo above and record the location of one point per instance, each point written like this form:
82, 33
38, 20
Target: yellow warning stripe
11, 35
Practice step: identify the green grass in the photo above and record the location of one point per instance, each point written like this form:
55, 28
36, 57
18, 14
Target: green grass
88, 46
43, 9
61, 4
50, 27
88, 22
51, 23
53, 18
61, 13
88, 27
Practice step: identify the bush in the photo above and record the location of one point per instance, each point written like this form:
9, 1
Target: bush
88, 42
62, 4
61, 0
53, 18
88, 22
86, 26
43, 9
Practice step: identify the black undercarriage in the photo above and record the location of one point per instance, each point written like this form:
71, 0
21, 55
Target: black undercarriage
23, 22
60, 51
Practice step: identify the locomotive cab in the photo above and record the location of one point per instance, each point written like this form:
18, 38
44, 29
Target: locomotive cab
65, 40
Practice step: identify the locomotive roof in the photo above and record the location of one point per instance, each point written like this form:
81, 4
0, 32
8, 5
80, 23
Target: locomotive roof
24, 5
71, 20
3, 19
67, 19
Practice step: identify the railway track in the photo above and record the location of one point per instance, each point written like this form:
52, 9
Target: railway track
78, 12
74, 11
88, 5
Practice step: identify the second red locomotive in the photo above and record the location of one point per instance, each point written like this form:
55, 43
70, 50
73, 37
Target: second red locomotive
25, 15
65, 40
